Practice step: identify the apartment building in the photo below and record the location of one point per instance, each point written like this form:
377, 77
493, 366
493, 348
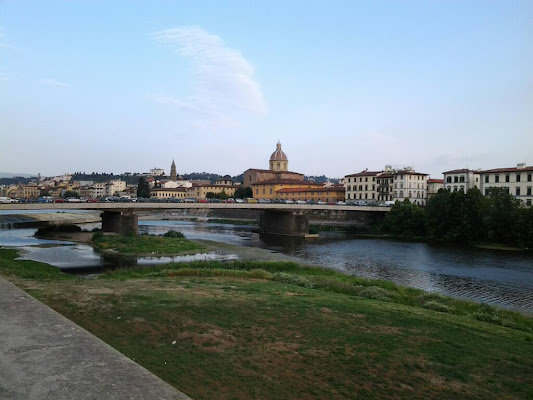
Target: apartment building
114, 186
362, 185
517, 181
412, 185
385, 184
461, 180
434, 185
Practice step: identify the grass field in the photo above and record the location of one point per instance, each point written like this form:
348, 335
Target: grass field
258, 330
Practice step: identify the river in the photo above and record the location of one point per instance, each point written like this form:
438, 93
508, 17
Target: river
500, 278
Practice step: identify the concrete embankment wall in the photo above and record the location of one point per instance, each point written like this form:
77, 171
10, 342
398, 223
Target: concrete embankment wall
17, 221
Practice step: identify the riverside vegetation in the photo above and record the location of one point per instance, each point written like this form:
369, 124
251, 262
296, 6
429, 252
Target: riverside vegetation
278, 330
468, 217
171, 243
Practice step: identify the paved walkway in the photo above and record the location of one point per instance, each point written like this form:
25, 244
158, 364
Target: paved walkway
43, 355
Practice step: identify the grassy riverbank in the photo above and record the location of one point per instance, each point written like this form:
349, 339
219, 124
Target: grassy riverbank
144, 245
275, 330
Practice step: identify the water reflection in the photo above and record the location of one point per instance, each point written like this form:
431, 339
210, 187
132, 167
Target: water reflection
495, 277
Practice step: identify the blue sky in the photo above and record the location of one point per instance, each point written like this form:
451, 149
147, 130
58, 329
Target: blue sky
344, 85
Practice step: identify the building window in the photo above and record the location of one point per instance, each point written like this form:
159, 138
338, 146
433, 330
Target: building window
529, 191
486, 179
462, 179
507, 178
486, 192
448, 179
517, 192
455, 179
528, 202
518, 177
529, 177
497, 178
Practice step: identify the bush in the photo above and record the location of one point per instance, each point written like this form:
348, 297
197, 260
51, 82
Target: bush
291, 279
97, 236
435, 305
174, 235
375, 292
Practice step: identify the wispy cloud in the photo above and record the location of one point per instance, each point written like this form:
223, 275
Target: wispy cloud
53, 82
223, 79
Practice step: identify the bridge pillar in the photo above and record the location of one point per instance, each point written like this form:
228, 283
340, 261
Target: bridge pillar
121, 222
286, 223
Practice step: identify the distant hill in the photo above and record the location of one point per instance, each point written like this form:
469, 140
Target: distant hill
12, 175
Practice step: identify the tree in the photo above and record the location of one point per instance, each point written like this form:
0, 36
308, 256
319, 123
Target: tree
502, 216
243, 193
71, 193
405, 219
223, 195
143, 190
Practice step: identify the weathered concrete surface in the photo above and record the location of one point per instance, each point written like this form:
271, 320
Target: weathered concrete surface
121, 222
12, 221
284, 223
177, 206
45, 356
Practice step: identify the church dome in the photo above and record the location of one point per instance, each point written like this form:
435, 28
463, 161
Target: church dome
278, 155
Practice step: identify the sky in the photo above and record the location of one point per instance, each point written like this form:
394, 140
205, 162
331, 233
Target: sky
125, 86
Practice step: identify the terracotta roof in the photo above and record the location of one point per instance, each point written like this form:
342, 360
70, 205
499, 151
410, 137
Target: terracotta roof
286, 182
461, 171
435, 180
409, 173
216, 186
322, 189
515, 169
273, 172
364, 173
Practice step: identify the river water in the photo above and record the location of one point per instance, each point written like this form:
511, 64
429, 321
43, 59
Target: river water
495, 277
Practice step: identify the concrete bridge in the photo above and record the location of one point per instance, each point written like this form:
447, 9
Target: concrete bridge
278, 219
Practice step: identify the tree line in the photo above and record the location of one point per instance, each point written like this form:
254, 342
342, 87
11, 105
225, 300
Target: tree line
465, 218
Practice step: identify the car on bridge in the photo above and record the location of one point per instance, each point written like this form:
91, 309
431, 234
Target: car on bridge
7, 200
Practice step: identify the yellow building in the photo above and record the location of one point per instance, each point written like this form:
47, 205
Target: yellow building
267, 189
27, 192
170, 193
200, 191
326, 194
